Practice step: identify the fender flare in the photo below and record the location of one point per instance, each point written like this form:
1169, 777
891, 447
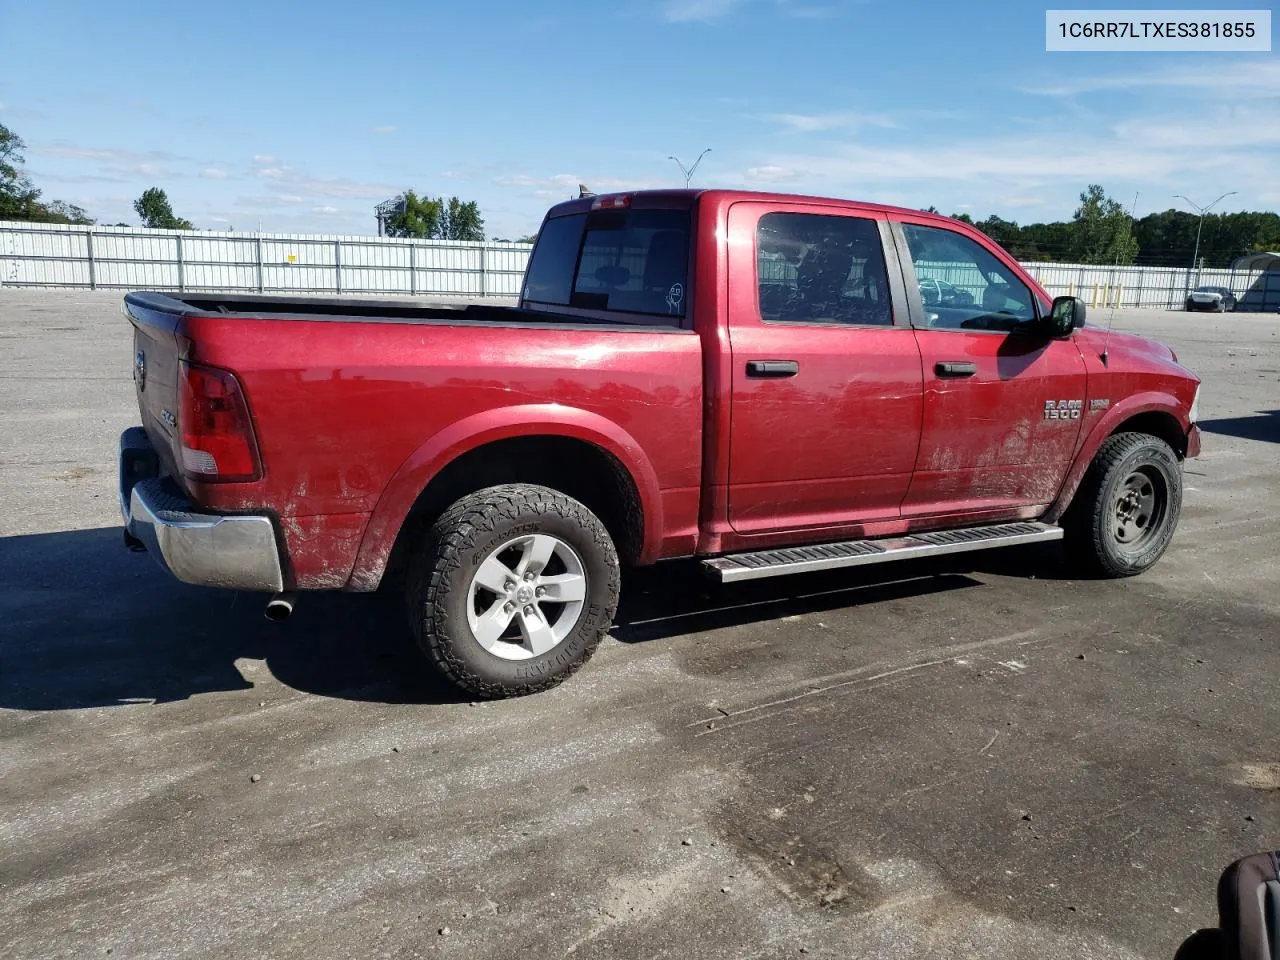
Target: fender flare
1147, 402
503, 423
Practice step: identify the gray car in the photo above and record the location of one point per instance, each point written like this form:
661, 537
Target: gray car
1218, 299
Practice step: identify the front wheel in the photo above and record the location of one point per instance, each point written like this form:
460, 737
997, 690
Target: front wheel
1125, 512
515, 588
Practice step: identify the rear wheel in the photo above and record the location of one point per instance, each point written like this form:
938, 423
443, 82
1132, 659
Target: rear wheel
1125, 512
513, 590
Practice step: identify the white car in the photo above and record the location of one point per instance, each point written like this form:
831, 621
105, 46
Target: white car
1218, 299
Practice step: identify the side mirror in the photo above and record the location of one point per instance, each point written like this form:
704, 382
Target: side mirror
1067, 314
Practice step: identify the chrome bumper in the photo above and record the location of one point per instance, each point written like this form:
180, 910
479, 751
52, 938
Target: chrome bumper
239, 553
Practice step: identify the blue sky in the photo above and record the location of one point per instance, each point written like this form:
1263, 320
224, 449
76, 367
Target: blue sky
301, 116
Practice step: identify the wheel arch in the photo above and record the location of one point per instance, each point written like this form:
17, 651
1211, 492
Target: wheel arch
577, 452
1156, 414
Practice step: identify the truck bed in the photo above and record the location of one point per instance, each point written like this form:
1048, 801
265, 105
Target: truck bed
357, 404
352, 309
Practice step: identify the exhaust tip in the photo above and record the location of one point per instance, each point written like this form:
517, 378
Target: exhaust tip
279, 607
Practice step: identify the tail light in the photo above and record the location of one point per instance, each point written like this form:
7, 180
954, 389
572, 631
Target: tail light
217, 436
611, 202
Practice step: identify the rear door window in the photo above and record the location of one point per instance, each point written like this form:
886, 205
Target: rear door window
817, 268
628, 261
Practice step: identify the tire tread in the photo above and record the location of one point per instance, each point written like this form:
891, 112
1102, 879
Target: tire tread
442, 555
1084, 519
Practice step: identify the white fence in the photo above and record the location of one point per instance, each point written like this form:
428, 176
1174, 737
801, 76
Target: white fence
1154, 286
56, 255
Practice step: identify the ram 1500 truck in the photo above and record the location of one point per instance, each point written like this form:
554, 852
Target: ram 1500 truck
773, 384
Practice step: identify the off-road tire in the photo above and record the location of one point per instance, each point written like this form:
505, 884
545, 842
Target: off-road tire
439, 579
1090, 535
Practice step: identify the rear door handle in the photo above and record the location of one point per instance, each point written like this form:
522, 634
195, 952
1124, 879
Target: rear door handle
952, 368
765, 369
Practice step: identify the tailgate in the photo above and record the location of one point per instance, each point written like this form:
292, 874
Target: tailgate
157, 348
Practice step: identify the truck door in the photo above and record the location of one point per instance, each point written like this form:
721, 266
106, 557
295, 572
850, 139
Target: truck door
826, 383
1003, 403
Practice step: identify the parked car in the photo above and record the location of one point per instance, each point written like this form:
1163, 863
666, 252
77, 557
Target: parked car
945, 294
1205, 297
655, 394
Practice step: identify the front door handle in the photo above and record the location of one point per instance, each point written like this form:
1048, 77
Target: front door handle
952, 368
772, 368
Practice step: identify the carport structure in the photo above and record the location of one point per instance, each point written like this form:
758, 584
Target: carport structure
1264, 295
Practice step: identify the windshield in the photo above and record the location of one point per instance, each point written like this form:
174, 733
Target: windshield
628, 261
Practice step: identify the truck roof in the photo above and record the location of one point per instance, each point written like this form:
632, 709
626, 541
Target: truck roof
677, 199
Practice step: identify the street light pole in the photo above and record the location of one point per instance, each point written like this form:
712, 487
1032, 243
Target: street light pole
1195, 257
688, 171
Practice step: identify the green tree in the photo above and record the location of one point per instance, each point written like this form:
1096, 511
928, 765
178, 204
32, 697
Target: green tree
963, 218
19, 199
1168, 237
435, 218
1102, 230
462, 221
154, 210
417, 217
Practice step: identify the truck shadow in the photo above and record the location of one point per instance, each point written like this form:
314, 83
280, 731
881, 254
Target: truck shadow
89, 625
1263, 426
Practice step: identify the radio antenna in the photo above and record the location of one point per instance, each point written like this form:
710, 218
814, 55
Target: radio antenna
1111, 317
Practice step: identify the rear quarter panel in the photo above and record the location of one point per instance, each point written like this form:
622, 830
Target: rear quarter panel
354, 418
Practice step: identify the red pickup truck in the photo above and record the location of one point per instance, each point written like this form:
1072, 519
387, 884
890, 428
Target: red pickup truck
773, 384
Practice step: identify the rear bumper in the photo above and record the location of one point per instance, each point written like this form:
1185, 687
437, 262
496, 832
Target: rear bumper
238, 552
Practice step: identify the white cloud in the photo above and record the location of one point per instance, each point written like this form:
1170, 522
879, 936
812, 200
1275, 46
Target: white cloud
1020, 177
70, 151
265, 159
1240, 79
214, 173
804, 11
389, 128
561, 186
1248, 126
289, 198
686, 11
817, 122
327, 210
298, 182
771, 173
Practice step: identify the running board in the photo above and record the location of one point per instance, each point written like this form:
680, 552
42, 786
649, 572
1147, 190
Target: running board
853, 553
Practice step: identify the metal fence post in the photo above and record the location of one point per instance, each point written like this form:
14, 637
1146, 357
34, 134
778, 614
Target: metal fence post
258, 246
337, 265
181, 273
88, 240
413, 269
484, 286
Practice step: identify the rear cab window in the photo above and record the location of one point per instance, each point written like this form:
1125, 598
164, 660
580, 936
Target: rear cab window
632, 263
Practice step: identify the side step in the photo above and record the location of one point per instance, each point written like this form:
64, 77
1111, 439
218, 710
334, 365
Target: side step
854, 553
